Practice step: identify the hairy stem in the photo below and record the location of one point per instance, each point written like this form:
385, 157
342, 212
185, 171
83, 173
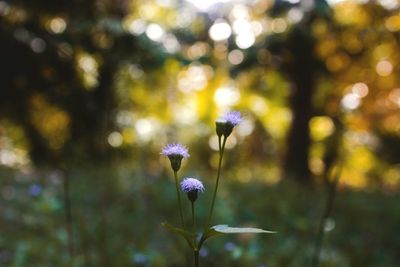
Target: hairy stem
179, 198
196, 258
221, 154
193, 221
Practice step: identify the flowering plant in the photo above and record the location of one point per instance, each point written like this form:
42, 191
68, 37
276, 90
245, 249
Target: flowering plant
192, 186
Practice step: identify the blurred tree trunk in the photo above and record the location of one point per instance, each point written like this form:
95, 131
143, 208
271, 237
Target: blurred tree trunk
301, 66
301, 72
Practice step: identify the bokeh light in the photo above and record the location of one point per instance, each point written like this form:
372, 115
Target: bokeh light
360, 89
245, 40
351, 101
226, 96
235, 57
384, 68
220, 31
155, 32
205, 5
57, 25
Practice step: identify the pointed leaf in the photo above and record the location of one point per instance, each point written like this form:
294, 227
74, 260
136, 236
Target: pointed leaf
225, 229
189, 237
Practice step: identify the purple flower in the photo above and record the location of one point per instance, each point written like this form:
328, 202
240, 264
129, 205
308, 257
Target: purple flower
232, 117
191, 184
175, 153
175, 150
35, 190
230, 246
226, 123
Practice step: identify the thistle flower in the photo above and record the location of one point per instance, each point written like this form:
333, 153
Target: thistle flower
192, 186
232, 117
175, 153
226, 123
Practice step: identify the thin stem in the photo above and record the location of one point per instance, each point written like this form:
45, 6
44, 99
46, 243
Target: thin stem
179, 198
195, 251
221, 154
193, 221
332, 189
196, 258
68, 216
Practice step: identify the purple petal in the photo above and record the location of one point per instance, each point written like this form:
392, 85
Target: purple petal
232, 117
175, 149
191, 184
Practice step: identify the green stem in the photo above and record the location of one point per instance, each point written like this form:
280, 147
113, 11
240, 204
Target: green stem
221, 154
196, 258
193, 221
179, 198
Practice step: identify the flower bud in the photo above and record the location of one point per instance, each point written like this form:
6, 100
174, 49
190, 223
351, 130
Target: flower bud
176, 161
223, 128
192, 186
192, 195
175, 153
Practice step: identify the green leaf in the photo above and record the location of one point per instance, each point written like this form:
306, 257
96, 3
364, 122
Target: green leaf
225, 229
188, 236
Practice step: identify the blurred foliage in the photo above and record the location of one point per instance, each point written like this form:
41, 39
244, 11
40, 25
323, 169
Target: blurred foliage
97, 80
105, 83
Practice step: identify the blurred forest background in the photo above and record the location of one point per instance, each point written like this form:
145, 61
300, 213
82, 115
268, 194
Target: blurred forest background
91, 90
